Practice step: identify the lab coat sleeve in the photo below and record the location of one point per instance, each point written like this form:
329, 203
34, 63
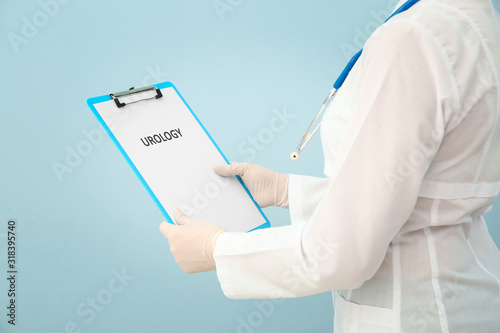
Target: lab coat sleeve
401, 101
304, 195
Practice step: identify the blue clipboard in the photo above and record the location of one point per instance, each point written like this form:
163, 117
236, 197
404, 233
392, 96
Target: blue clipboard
91, 102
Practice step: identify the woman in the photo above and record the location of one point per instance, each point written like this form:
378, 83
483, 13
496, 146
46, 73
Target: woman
412, 162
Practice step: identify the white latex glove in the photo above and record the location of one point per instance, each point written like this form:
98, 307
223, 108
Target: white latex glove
268, 188
192, 242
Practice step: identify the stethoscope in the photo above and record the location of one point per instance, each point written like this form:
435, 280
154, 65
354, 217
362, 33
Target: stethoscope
336, 86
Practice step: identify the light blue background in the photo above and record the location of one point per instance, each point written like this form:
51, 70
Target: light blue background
233, 70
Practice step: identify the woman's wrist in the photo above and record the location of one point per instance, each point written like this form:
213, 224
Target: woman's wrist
281, 194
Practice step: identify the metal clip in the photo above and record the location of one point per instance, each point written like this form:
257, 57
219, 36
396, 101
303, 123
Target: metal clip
133, 91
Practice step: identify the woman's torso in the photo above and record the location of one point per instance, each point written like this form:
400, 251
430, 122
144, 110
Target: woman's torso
442, 270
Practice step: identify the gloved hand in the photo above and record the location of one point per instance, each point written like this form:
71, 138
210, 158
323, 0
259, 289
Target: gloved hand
268, 188
192, 242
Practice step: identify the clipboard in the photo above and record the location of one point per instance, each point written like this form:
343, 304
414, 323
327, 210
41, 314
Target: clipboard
172, 154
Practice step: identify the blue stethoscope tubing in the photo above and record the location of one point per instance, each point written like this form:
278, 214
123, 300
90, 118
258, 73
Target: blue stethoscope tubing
338, 83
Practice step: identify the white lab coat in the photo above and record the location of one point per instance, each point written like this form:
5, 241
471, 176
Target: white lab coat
412, 162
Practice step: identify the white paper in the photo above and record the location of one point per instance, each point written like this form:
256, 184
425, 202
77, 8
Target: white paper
179, 170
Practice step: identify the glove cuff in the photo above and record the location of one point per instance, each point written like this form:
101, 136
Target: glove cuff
281, 192
210, 246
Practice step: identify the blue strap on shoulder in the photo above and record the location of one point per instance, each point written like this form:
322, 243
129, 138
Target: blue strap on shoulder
340, 80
